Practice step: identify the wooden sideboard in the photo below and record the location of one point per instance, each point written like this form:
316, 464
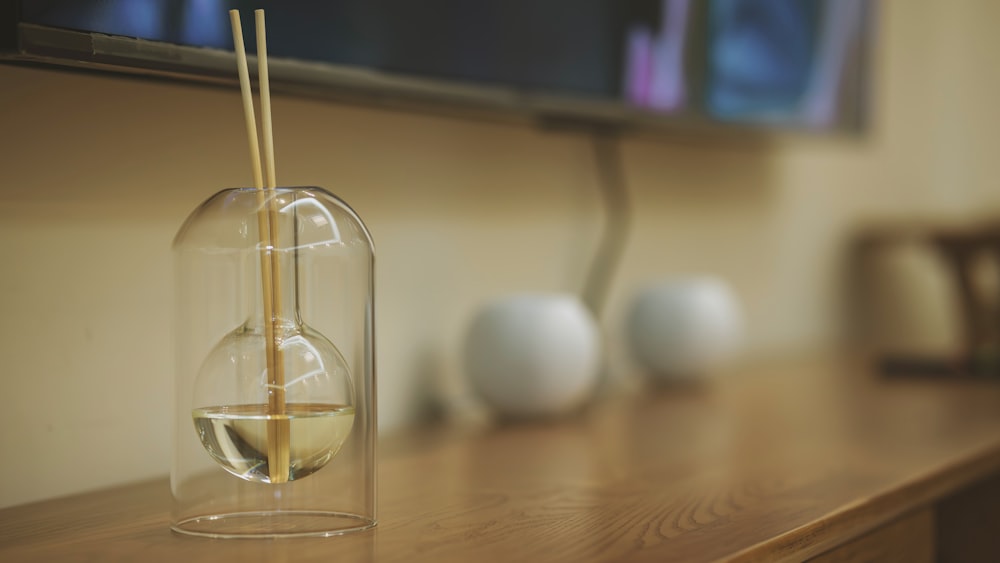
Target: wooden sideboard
789, 462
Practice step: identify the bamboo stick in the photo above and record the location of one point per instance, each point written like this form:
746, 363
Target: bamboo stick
279, 456
277, 434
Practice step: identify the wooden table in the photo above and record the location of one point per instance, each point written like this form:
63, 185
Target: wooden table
784, 463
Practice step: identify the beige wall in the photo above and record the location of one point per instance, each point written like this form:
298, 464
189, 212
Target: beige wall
99, 172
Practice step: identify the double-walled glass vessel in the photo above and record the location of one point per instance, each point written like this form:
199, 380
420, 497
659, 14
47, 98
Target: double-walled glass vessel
275, 370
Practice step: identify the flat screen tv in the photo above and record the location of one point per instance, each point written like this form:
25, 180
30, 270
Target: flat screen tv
651, 65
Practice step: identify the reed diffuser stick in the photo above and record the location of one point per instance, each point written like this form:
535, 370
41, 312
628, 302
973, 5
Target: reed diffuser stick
248, 114
265, 100
279, 428
277, 434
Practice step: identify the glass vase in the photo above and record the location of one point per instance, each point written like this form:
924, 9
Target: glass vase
275, 423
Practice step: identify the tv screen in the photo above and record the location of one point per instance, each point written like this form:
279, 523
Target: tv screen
789, 63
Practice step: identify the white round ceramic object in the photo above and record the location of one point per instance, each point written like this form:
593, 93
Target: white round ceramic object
533, 354
684, 328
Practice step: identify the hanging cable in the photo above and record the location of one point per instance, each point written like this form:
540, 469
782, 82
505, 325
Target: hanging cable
617, 224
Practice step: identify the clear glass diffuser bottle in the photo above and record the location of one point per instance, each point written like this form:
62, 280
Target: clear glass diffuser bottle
275, 385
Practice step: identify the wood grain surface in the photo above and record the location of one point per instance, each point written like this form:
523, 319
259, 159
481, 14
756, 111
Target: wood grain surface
785, 462
910, 539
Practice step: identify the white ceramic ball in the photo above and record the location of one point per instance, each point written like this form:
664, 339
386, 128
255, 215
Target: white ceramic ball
684, 328
530, 355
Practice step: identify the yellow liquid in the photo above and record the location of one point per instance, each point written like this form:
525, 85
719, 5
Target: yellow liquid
236, 437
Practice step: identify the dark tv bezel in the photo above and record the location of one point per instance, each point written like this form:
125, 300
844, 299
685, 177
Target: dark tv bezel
33, 44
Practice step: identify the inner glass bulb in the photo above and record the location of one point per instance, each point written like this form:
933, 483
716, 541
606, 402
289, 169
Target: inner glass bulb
240, 425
